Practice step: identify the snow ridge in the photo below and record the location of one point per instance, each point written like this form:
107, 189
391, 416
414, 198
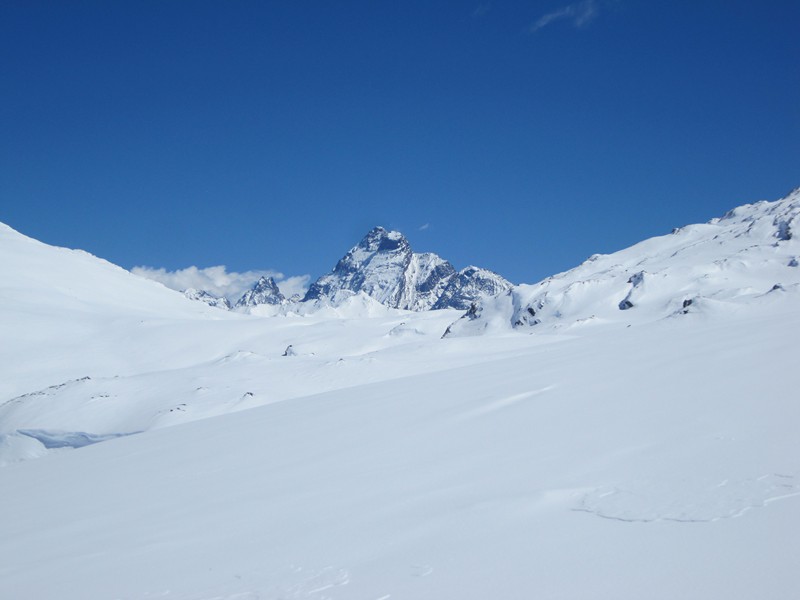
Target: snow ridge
741, 257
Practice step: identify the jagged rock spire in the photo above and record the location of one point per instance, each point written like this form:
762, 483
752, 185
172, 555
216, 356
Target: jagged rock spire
265, 291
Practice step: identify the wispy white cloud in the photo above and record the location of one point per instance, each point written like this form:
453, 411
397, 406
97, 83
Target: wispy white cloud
296, 284
579, 13
221, 282
482, 9
424, 227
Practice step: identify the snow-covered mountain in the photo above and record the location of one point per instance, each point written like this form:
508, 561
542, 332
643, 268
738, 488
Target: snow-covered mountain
469, 285
747, 256
651, 449
384, 267
207, 298
265, 291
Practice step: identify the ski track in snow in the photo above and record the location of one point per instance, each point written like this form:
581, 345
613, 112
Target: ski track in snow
503, 403
297, 583
707, 503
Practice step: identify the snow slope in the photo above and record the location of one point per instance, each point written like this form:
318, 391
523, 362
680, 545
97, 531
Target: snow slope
750, 252
65, 314
650, 452
662, 463
91, 350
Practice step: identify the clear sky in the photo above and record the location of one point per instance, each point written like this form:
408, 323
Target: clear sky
518, 136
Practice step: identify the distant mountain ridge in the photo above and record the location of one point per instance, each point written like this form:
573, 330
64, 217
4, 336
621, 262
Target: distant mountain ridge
383, 266
207, 298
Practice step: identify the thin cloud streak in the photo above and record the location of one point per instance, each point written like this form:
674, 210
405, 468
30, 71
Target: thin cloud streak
481, 10
579, 13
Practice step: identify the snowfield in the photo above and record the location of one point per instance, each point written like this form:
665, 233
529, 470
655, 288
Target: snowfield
156, 447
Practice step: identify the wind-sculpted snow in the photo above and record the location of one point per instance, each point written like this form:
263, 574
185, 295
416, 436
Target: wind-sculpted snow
730, 261
67, 439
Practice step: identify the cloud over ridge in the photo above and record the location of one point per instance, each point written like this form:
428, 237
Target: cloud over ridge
219, 281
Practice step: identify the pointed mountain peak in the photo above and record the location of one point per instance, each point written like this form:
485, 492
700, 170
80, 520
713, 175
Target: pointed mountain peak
379, 239
265, 291
383, 267
264, 284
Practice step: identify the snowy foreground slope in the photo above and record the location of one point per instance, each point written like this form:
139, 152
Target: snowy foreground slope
658, 462
641, 457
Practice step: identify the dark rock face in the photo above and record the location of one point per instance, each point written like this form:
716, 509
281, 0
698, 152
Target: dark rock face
470, 284
384, 267
784, 232
434, 276
265, 291
376, 266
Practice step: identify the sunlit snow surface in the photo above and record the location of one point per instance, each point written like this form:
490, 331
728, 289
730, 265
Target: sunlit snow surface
714, 267
654, 454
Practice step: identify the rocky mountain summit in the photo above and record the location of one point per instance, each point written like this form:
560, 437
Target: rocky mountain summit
470, 284
265, 291
384, 267
207, 298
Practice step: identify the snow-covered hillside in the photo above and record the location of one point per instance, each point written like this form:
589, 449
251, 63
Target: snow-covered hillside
65, 314
746, 257
91, 350
346, 451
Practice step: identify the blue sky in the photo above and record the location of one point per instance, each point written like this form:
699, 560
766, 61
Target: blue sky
518, 136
